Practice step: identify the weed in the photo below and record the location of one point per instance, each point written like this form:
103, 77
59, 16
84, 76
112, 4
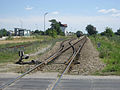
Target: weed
9, 52
109, 52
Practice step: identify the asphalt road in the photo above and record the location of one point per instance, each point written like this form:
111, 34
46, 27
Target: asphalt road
89, 84
64, 84
28, 84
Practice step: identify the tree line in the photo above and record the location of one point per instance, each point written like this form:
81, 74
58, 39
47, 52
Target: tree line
53, 31
91, 30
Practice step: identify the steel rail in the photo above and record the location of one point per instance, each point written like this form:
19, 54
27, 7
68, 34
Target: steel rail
17, 78
42, 63
60, 49
68, 66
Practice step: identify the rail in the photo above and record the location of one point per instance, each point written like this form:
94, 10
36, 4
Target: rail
71, 59
52, 57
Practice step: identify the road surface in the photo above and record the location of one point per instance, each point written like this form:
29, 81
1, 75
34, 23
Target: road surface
68, 82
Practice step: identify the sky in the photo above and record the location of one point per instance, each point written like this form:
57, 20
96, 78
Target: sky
77, 14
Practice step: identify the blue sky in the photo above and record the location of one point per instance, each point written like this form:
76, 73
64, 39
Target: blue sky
76, 13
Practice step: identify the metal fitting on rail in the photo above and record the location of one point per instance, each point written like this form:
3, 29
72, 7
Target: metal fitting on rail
72, 46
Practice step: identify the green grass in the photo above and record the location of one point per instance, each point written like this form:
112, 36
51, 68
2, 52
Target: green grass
11, 55
109, 53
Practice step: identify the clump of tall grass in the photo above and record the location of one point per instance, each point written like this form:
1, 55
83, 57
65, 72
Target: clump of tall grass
109, 52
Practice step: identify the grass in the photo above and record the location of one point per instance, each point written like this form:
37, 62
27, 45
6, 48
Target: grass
11, 54
24, 39
109, 53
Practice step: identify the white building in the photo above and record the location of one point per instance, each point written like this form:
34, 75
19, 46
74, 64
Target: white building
63, 28
21, 32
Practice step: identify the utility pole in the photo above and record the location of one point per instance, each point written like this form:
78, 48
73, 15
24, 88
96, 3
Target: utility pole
44, 19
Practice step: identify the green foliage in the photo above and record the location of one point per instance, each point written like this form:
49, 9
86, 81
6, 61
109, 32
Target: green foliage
118, 32
51, 32
79, 33
56, 26
11, 54
48, 31
108, 32
9, 38
91, 30
38, 32
54, 34
54, 30
3, 32
109, 52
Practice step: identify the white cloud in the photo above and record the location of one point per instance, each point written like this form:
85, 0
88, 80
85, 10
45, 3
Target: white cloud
28, 8
116, 15
106, 11
56, 12
102, 10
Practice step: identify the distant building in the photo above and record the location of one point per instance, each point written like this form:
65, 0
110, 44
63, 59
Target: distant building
10, 32
63, 27
70, 33
21, 32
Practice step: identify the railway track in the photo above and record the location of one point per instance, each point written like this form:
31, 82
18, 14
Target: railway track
69, 62
61, 50
62, 46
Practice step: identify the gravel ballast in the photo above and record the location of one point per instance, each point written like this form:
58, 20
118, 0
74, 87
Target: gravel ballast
89, 60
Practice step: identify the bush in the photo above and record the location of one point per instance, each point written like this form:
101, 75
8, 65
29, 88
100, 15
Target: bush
118, 32
79, 33
108, 32
53, 33
91, 30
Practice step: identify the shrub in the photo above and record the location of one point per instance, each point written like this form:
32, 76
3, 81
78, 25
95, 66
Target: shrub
91, 30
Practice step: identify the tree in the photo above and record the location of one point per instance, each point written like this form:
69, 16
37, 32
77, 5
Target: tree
51, 32
108, 32
91, 30
79, 33
38, 32
118, 32
48, 31
54, 30
3, 32
56, 26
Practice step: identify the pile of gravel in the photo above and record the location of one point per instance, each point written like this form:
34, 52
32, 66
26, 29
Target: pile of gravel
89, 61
